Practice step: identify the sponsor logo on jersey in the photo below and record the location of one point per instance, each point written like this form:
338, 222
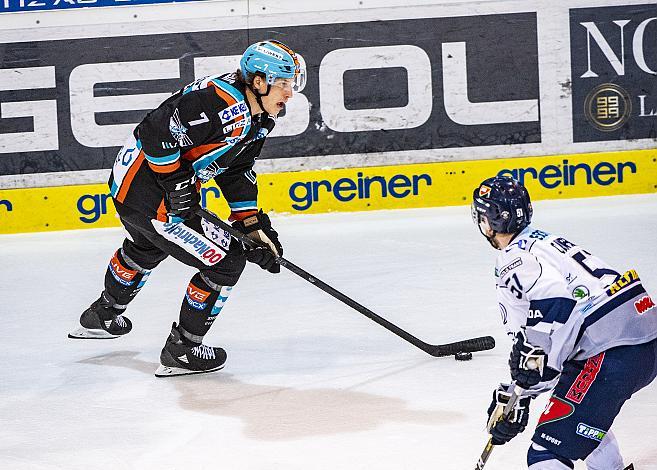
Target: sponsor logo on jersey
533, 314
555, 410
178, 130
590, 432
550, 439
191, 241
580, 293
644, 304
232, 140
510, 267
122, 274
627, 278
238, 109
585, 379
196, 297
237, 125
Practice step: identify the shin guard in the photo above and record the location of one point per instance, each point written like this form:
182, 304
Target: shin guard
202, 303
124, 278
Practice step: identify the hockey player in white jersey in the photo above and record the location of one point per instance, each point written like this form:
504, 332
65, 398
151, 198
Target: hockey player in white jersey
590, 329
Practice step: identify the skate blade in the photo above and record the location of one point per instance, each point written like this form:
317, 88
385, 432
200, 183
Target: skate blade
85, 333
166, 371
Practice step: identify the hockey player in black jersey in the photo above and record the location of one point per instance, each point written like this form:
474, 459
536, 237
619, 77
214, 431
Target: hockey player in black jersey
213, 128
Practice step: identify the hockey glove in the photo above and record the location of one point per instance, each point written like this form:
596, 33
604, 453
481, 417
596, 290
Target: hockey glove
526, 361
258, 228
181, 197
502, 429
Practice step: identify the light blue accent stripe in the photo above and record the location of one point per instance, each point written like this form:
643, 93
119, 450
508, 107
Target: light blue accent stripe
115, 189
230, 89
163, 160
243, 205
208, 158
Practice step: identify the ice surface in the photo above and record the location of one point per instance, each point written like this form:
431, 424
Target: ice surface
310, 383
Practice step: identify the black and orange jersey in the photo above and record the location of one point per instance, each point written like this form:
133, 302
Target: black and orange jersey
207, 124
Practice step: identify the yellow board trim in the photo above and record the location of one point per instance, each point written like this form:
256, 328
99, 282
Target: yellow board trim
357, 189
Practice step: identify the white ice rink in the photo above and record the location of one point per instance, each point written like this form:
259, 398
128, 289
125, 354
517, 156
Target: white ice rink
310, 384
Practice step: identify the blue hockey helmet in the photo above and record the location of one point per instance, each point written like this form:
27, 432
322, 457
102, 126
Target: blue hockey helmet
504, 203
274, 60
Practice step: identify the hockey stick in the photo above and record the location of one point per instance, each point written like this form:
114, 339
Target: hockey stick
437, 350
516, 392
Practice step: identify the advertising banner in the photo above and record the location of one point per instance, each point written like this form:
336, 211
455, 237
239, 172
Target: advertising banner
376, 86
614, 72
7, 6
356, 189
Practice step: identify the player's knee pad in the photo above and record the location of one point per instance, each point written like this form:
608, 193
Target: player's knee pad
145, 257
540, 458
606, 456
124, 278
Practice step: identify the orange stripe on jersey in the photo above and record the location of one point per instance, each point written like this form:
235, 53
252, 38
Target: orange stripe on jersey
165, 168
238, 130
197, 152
162, 213
224, 95
130, 175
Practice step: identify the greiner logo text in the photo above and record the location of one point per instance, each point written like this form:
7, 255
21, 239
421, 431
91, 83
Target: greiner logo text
569, 174
305, 193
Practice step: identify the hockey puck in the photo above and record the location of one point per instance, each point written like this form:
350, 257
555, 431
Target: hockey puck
463, 356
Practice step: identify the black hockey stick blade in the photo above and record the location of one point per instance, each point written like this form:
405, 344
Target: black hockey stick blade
436, 350
482, 343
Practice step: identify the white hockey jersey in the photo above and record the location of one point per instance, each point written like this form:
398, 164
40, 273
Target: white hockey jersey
572, 304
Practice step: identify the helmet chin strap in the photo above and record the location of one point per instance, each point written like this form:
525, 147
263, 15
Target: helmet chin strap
492, 240
259, 95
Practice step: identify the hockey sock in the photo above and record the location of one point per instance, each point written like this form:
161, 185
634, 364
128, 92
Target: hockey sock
606, 456
202, 303
124, 278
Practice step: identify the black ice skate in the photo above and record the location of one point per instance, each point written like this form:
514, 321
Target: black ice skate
181, 356
102, 321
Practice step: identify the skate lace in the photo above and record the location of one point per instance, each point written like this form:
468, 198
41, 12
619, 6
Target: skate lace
204, 352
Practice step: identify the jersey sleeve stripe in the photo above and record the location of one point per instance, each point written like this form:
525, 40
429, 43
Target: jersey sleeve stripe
164, 168
243, 205
612, 304
163, 160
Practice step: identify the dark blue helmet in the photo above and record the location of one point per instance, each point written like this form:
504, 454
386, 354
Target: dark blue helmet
504, 202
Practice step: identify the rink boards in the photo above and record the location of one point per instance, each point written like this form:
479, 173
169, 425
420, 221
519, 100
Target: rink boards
356, 189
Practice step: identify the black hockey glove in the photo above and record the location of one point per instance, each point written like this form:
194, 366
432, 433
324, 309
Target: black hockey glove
258, 228
181, 197
501, 429
526, 361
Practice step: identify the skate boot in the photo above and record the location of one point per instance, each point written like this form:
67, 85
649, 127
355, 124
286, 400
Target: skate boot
102, 321
181, 356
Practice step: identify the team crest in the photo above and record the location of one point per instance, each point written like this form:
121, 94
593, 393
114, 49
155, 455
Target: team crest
484, 191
